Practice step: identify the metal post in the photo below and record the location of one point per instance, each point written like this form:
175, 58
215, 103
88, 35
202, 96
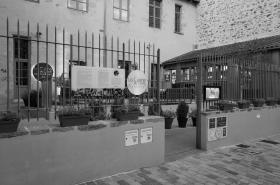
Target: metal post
8, 68
198, 103
158, 79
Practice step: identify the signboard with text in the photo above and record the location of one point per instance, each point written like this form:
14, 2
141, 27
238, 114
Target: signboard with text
97, 77
146, 135
137, 82
131, 137
42, 72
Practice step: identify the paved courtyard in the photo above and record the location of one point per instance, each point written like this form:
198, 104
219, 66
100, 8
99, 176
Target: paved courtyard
250, 163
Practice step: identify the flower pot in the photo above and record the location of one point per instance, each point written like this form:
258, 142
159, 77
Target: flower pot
258, 103
243, 105
194, 121
7, 126
75, 120
182, 122
226, 106
127, 116
271, 102
168, 122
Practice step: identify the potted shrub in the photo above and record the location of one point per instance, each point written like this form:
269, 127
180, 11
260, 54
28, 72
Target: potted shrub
243, 104
168, 118
182, 112
193, 116
118, 102
153, 109
226, 105
73, 117
258, 102
270, 101
9, 122
125, 113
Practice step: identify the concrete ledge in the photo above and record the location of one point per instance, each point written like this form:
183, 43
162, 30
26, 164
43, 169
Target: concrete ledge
40, 154
243, 125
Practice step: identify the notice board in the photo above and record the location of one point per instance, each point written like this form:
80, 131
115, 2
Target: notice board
97, 77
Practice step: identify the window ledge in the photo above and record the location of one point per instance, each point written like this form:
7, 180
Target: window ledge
179, 33
121, 20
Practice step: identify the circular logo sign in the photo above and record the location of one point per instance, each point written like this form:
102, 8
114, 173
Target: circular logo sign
42, 72
137, 82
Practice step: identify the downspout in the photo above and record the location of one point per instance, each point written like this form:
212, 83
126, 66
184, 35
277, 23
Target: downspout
105, 35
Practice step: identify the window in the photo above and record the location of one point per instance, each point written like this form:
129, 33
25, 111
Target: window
154, 13
121, 9
177, 19
81, 5
21, 55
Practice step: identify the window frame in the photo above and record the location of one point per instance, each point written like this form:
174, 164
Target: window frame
153, 17
77, 5
178, 22
18, 61
121, 10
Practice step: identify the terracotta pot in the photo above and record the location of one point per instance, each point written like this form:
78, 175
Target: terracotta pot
182, 122
168, 122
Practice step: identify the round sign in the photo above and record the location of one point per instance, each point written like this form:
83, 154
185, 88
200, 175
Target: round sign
45, 72
137, 82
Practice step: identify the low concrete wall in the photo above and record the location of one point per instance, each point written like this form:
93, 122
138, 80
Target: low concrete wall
52, 155
243, 125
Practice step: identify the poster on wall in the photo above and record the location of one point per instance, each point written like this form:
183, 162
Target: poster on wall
97, 77
131, 137
217, 128
146, 135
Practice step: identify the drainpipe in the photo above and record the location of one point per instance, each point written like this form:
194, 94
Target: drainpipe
105, 34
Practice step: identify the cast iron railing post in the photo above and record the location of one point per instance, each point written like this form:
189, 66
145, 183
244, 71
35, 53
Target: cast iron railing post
158, 78
198, 102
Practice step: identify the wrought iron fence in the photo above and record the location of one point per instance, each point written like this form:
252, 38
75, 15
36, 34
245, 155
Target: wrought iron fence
23, 46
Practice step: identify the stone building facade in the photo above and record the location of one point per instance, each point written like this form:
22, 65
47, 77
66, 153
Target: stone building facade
124, 20
223, 22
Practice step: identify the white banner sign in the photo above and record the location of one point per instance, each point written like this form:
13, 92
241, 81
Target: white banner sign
137, 82
97, 77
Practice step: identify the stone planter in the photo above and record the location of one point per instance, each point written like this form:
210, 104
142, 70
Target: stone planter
168, 122
74, 120
7, 126
127, 116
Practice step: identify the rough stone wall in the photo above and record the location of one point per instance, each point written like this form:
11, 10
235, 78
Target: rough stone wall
221, 22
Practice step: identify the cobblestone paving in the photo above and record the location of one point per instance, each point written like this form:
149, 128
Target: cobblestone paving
254, 165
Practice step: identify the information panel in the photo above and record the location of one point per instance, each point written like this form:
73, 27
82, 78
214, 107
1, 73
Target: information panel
97, 77
131, 137
217, 128
146, 135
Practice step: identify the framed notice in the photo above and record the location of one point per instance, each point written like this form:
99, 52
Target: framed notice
97, 78
146, 135
131, 137
217, 128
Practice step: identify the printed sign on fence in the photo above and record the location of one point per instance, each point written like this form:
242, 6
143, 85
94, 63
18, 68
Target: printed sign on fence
97, 78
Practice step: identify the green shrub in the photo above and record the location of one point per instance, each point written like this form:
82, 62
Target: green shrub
33, 98
182, 109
